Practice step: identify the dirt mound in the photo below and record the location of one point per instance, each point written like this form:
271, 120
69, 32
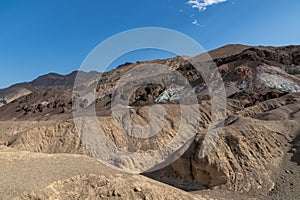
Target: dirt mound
64, 176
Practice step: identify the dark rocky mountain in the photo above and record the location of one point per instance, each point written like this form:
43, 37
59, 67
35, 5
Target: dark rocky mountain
51, 81
246, 72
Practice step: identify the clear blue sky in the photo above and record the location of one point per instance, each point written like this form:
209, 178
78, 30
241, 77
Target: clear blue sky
41, 36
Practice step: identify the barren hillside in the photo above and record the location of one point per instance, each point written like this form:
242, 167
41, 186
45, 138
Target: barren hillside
256, 156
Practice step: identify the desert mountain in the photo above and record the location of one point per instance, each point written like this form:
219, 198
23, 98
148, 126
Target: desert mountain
256, 156
51, 81
244, 70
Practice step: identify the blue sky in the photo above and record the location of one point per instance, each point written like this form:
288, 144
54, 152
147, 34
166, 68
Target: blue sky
41, 36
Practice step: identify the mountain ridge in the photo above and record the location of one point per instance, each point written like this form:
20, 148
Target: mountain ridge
256, 155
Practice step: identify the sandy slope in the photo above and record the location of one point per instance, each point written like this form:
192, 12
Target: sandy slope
42, 176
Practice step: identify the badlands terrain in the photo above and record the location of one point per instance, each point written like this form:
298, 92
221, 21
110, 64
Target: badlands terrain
257, 155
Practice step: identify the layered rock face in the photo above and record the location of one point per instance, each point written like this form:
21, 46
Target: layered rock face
261, 127
249, 151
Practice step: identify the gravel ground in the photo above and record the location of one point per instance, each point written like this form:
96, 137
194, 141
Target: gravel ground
288, 184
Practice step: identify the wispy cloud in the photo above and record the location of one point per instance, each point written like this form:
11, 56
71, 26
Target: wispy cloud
203, 4
195, 22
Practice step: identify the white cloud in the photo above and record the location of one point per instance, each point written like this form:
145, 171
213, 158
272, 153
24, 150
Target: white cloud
195, 22
203, 4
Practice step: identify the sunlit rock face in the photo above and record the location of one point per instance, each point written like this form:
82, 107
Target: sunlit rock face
174, 93
278, 82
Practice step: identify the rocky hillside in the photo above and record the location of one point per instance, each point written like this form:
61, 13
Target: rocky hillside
244, 70
256, 156
51, 81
